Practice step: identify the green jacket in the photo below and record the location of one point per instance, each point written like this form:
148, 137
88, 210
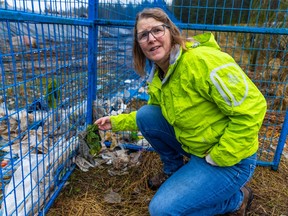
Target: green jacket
213, 106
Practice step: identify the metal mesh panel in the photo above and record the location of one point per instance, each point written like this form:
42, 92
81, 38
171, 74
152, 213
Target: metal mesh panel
58, 59
42, 106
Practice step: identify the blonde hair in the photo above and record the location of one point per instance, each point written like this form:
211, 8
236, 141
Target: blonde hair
159, 15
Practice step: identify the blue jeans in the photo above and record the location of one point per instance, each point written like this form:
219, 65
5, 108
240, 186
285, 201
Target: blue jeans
196, 188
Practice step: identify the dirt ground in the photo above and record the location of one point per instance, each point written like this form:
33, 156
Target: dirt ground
96, 193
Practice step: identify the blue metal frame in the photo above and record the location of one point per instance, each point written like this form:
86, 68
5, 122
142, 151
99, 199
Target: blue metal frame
94, 23
26, 17
92, 58
281, 143
219, 28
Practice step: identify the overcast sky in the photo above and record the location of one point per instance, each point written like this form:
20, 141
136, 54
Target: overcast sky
58, 4
37, 4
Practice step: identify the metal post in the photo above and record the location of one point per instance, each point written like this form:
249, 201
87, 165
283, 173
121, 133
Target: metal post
281, 143
92, 58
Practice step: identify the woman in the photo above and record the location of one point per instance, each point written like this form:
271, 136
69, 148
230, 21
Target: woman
201, 105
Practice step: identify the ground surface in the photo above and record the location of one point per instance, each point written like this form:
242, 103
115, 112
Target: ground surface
96, 193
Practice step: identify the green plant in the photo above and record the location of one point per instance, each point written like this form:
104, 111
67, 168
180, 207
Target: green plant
93, 139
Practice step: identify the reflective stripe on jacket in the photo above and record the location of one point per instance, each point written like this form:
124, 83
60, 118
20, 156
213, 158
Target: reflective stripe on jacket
213, 106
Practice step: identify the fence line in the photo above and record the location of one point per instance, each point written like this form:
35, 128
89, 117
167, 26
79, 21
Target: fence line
58, 65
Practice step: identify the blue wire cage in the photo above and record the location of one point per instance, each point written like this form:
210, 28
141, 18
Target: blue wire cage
65, 63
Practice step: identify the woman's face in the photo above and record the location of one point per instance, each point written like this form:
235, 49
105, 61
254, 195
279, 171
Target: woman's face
156, 48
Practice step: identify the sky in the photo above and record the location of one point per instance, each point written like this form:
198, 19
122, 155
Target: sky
58, 5
41, 4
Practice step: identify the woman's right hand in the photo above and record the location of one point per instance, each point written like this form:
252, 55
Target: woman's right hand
104, 123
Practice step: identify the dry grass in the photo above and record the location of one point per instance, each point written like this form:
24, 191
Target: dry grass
271, 191
85, 195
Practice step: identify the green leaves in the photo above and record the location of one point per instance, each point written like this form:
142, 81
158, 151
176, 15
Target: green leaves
93, 139
134, 136
53, 93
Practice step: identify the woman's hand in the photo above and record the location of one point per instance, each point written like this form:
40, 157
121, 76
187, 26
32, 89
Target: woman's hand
104, 123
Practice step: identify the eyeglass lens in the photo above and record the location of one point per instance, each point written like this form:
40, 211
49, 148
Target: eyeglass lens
156, 31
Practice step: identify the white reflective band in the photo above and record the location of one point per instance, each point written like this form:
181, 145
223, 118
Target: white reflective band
222, 87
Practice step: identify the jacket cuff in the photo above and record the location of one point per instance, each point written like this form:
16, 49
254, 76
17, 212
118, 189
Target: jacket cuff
210, 160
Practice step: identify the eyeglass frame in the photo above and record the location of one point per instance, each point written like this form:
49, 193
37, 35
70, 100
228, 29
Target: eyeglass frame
150, 31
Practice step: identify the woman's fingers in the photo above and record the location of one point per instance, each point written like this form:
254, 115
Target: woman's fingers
103, 123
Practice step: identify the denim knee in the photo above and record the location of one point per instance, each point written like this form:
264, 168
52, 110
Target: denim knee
146, 114
141, 114
157, 208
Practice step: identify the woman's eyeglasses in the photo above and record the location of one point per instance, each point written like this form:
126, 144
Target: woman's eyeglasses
156, 31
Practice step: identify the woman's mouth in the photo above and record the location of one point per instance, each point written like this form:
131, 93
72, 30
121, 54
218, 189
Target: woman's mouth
154, 48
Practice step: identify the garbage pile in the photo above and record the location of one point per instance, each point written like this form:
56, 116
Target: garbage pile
35, 146
40, 143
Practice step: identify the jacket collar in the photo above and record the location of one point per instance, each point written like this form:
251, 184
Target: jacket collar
174, 56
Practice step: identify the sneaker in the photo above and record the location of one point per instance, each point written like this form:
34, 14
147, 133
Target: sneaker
247, 201
155, 182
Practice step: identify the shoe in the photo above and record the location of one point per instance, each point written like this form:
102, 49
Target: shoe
246, 204
155, 182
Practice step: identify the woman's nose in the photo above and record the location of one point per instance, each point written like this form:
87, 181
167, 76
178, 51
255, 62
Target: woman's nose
152, 37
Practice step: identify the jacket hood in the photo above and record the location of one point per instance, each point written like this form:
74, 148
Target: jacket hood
206, 39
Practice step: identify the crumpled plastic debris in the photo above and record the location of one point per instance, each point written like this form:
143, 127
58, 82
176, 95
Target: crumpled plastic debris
112, 197
32, 177
25, 186
98, 110
84, 149
89, 146
83, 164
118, 172
31, 142
31, 129
10, 127
121, 160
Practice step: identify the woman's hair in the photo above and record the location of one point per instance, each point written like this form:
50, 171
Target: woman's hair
159, 15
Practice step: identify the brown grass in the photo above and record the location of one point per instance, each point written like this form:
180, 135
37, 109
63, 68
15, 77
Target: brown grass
85, 193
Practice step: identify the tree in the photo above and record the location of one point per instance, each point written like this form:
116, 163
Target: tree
211, 11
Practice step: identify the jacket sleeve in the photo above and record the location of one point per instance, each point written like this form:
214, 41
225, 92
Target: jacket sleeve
124, 122
240, 100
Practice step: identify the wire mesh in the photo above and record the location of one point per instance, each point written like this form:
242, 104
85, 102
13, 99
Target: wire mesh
73, 56
42, 106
